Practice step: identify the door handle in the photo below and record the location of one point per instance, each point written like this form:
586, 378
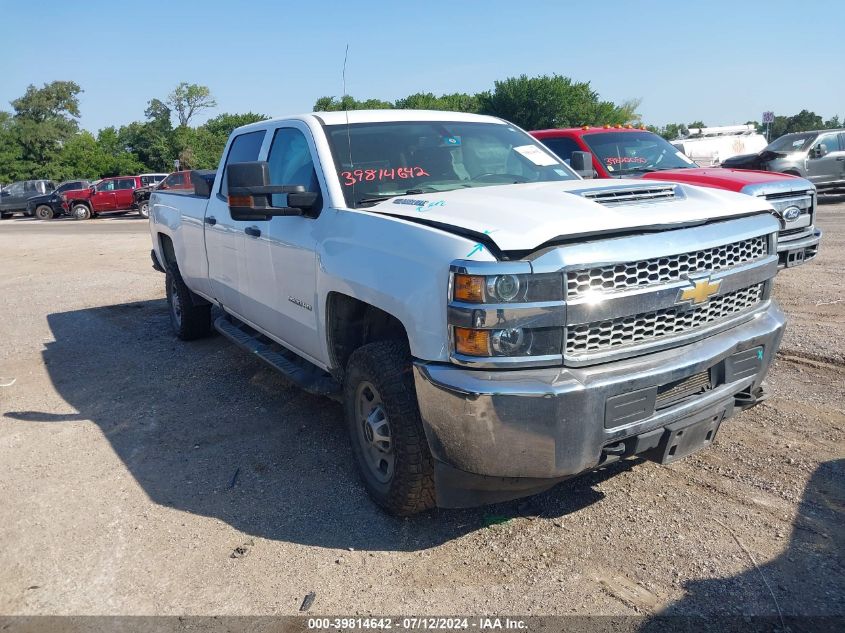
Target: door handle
210, 220
253, 230
841, 158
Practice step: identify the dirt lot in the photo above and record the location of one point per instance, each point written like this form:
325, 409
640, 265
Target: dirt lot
134, 466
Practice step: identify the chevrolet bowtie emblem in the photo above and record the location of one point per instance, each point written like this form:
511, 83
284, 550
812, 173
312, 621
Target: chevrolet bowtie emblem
701, 291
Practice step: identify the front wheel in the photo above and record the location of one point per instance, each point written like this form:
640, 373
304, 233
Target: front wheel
81, 212
44, 212
384, 425
144, 209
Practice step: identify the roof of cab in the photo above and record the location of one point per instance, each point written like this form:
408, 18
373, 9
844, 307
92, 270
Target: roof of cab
379, 116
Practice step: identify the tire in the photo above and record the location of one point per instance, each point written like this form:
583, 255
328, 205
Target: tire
398, 470
44, 212
80, 212
190, 316
5, 216
144, 209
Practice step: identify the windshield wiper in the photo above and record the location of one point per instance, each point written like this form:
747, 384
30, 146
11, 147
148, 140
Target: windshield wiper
637, 170
376, 199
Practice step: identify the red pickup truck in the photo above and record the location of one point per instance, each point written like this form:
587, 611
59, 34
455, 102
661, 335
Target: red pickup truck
628, 152
110, 195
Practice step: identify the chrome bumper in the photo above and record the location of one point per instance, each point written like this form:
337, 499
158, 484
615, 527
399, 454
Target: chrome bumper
552, 423
796, 252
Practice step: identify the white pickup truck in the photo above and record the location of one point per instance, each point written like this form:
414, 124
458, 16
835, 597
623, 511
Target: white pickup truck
492, 323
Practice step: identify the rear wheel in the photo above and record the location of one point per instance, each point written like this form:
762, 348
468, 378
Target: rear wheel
190, 316
5, 216
384, 425
81, 212
44, 212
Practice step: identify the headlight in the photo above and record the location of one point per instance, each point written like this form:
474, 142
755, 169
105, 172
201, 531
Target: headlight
503, 287
508, 343
501, 315
507, 288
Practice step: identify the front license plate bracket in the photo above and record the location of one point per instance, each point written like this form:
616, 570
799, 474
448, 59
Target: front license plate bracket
686, 437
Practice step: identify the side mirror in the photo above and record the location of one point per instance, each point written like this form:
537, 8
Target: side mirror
250, 193
819, 150
582, 163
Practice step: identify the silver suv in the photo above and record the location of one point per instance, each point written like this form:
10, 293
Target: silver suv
818, 156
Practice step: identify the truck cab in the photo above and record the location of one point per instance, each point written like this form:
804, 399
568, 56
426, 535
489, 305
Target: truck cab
114, 194
491, 323
14, 196
818, 156
629, 152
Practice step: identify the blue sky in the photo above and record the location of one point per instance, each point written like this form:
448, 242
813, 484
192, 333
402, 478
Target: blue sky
721, 62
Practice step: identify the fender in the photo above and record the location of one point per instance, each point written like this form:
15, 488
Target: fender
415, 287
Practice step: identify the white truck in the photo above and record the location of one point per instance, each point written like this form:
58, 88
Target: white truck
709, 146
492, 323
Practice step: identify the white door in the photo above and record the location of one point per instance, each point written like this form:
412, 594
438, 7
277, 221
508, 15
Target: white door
282, 260
225, 238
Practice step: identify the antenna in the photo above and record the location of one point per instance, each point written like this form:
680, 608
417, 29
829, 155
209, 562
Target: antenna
346, 111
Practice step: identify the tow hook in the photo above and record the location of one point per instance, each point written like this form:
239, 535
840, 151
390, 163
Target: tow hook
614, 449
750, 397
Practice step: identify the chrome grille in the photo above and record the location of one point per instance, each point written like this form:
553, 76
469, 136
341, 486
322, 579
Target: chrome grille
660, 270
605, 335
801, 199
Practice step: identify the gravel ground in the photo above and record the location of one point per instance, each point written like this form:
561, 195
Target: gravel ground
143, 475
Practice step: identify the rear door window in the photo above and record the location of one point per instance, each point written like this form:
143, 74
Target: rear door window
244, 148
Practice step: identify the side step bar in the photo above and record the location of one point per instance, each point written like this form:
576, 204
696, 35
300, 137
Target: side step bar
299, 371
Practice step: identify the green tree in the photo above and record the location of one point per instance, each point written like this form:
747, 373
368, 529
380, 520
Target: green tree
347, 102
455, 102
552, 101
44, 119
188, 100
11, 154
80, 157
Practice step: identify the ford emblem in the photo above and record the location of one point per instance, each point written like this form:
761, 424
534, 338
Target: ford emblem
790, 214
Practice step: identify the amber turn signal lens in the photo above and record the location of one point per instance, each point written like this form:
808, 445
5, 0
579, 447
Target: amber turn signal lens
469, 288
472, 342
240, 201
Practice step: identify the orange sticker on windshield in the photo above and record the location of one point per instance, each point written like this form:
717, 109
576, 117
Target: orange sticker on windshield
369, 175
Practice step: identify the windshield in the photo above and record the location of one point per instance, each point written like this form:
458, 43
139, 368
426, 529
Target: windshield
392, 159
624, 153
792, 143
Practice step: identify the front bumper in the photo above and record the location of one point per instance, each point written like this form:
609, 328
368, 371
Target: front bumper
498, 435
796, 252
56, 206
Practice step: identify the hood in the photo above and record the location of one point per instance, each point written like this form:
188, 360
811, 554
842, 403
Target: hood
740, 160
525, 216
720, 177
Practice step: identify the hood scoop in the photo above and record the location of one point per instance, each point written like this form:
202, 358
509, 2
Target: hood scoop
627, 194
